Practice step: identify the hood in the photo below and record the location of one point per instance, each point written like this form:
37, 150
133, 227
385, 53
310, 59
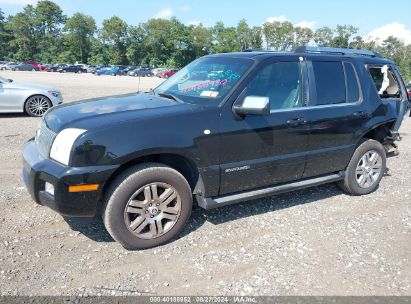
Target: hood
97, 113
30, 86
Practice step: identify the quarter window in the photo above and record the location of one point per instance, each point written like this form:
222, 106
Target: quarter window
385, 81
330, 82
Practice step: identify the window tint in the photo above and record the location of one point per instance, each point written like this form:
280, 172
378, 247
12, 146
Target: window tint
330, 82
280, 82
353, 90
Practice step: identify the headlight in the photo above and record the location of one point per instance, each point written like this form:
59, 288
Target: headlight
54, 93
61, 148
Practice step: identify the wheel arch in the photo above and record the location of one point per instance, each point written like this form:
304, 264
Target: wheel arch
180, 163
380, 132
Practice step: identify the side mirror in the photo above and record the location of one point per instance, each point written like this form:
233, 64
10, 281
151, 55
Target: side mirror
10, 80
253, 105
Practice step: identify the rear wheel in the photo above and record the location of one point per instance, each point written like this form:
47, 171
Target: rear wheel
37, 105
147, 206
366, 168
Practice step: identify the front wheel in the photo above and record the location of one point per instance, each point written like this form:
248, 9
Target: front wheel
366, 168
37, 105
147, 206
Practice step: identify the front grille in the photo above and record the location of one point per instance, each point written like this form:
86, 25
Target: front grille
44, 139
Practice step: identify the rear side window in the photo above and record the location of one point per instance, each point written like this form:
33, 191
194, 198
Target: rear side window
353, 90
330, 82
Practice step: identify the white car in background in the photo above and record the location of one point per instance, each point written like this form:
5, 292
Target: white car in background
33, 99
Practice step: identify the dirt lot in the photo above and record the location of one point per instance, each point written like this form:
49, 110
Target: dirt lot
312, 242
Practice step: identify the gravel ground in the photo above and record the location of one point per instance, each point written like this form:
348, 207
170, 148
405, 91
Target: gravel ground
312, 242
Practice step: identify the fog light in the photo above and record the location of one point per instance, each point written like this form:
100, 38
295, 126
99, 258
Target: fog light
49, 188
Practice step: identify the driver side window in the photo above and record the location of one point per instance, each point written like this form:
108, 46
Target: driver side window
281, 83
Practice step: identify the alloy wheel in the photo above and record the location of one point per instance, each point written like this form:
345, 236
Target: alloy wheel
153, 210
38, 105
368, 169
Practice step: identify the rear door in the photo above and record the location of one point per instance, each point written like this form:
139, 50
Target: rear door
337, 115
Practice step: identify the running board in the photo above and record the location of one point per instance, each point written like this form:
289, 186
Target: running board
211, 203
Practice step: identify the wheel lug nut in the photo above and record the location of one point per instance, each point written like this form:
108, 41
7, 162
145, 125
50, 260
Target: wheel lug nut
157, 204
151, 216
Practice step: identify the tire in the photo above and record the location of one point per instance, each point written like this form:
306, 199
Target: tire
363, 177
79, 72
139, 229
33, 70
37, 105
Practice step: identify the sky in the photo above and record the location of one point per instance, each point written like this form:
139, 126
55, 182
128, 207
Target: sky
374, 18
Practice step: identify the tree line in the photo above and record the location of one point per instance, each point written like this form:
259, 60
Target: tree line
43, 33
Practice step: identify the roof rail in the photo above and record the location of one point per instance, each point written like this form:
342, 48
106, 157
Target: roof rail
335, 51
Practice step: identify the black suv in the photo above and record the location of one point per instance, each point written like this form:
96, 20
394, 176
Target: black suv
227, 128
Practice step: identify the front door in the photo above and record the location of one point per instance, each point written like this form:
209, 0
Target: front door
257, 150
10, 98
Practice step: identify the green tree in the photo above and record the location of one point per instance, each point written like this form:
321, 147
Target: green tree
225, 39
301, 36
79, 30
157, 43
47, 23
343, 35
279, 36
201, 40
256, 38
135, 49
115, 33
4, 36
99, 52
323, 36
23, 44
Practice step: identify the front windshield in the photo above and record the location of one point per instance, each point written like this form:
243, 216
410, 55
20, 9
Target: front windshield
206, 80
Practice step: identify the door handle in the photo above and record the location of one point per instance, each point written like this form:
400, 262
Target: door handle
296, 122
360, 114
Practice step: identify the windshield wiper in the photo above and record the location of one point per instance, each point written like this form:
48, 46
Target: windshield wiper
170, 96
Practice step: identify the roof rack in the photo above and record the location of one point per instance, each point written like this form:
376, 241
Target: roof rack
335, 51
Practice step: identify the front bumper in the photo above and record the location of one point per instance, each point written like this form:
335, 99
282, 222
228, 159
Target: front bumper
38, 170
56, 100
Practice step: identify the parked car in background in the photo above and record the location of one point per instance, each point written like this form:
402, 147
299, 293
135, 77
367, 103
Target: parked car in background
130, 68
3, 65
141, 72
24, 67
408, 87
157, 71
114, 71
72, 69
9, 66
37, 65
168, 74
91, 68
55, 67
33, 99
